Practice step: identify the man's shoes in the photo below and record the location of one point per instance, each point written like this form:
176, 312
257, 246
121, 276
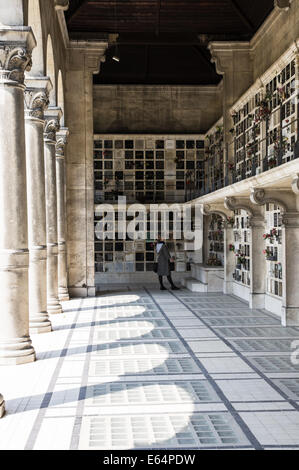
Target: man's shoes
163, 288
175, 288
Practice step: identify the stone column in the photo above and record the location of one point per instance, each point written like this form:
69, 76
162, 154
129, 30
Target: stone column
2, 406
16, 44
258, 263
290, 268
53, 116
36, 100
62, 136
229, 258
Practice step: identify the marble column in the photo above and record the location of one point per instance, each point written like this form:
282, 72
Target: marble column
229, 258
290, 263
62, 136
258, 263
52, 126
2, 406
36, 101
16, 44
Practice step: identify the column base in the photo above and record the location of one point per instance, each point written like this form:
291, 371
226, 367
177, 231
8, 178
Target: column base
2, 406
39, 323
53, 306
227, 287
257, 301
63, 295
290, 316
79, 292
15, 352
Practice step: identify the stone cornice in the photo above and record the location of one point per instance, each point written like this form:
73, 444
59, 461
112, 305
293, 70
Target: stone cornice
94, 52
222, 53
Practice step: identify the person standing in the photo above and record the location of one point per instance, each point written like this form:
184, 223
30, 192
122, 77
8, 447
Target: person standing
163, 262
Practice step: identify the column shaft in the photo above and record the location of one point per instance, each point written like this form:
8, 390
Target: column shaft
229, 259
61, 215
36, 99
290, 302
15, 343
258, 265
52, 126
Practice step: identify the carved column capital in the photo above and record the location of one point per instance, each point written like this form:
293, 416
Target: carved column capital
62, 139
284, 199
256, 216
36, 98
16, 47
52, 124
61, 4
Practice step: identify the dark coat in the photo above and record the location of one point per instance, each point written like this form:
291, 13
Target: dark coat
163, 260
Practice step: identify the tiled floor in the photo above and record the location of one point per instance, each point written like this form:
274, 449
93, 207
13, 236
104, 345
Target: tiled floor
146, 369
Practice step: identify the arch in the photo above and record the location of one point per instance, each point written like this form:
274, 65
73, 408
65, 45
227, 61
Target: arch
34, 20
50, 70
60, 96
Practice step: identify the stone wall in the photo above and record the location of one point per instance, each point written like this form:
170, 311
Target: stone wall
155, 109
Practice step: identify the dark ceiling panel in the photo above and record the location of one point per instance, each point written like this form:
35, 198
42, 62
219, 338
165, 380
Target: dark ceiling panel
159, 39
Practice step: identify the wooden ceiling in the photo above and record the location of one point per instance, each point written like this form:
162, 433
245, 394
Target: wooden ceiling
164, 41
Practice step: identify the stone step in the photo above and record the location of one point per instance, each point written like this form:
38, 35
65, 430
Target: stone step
194, 286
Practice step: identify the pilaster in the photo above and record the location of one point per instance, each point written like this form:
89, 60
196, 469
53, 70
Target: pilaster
84, 61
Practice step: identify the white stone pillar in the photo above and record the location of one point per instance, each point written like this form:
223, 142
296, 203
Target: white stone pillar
53, 116
229, 258
290, 268
258, 263
2, 406
36, 100
62, 136
16, 44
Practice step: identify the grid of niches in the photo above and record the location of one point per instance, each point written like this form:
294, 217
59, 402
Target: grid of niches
214, 157
282, 125
147, 169
247, 138
242, 239
118, 253
216, 241
274, 250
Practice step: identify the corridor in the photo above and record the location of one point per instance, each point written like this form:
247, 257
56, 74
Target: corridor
144, 369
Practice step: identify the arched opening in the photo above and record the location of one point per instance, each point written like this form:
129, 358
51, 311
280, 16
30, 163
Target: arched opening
35, 22
60, 96
50, 70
